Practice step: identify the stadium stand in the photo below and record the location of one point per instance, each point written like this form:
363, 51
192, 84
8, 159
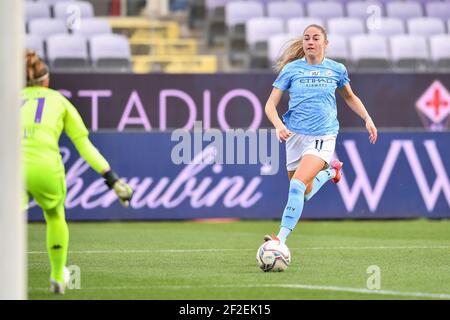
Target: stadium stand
67, 52
369, 52
338, 48
223, 35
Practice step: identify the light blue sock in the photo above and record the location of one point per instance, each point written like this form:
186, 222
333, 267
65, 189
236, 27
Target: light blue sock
319, 180
293, 209
283, 234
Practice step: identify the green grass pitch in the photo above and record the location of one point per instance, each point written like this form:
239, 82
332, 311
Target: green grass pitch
191, 260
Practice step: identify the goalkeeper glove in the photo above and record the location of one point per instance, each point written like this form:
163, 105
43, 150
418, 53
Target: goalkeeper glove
122, 190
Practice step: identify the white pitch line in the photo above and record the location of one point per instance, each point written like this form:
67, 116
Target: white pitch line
286, 286
225, 250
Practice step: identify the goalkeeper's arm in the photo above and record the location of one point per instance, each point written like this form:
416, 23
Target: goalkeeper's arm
94, 158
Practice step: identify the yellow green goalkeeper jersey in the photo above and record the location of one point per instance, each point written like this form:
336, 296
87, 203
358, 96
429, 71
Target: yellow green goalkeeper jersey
45, 113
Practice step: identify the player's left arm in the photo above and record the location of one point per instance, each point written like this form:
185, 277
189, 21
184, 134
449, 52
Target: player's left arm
357, 106
78, 133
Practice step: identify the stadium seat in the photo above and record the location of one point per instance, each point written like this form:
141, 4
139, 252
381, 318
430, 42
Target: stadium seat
53, 2
325, 10
63, 10
298, 25
345, 26
425, 26
257, 33
215, 21
67, 53
440, 51
359, 9
388, 27
236, 14
370, 51
382, 1
403, 10
46, 27
93, 26
197, 13
409, 52
438, 9
110, 52
35, 43
337, 49
35, 10
260, 29
285, 9
277, 44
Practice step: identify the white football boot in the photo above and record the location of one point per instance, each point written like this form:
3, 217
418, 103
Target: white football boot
58, 287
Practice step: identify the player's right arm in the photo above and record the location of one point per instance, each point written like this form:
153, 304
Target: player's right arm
272, 114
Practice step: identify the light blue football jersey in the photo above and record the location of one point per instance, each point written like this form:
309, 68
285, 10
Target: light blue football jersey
312, 100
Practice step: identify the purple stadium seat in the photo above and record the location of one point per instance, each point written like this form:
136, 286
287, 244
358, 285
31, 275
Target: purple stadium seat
388, 27
285, 9
62, 10
325, 10
67, 52
304, 1
425, 26
35, 10
238, 12
363, 9
211, 4
93, 26
52, 2
46, 27
36, 43
110, 52
369, 51
440, 50
337, 48
438, 9
409, 51
260, 29
298, 25
345, 26
277, 44
404, 10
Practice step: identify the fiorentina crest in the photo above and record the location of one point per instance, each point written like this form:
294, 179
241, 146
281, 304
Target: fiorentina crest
434, 107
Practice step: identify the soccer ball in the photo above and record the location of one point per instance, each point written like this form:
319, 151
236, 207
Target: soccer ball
273, 256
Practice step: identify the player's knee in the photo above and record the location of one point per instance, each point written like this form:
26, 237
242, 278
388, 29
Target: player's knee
55, 213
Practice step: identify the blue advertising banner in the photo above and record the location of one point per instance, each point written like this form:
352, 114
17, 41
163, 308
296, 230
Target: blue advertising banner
404, 175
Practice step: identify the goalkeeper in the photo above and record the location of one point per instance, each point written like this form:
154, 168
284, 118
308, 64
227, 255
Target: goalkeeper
44, 114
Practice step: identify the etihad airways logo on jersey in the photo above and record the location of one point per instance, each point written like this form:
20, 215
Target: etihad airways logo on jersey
316, 82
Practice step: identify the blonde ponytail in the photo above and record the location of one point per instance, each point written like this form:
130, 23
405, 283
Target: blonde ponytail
293, 52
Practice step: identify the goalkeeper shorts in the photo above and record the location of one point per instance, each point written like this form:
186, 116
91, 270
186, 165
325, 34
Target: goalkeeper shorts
46, 185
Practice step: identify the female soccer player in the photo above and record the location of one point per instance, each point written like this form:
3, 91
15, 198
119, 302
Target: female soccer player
310, 125
44, 114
